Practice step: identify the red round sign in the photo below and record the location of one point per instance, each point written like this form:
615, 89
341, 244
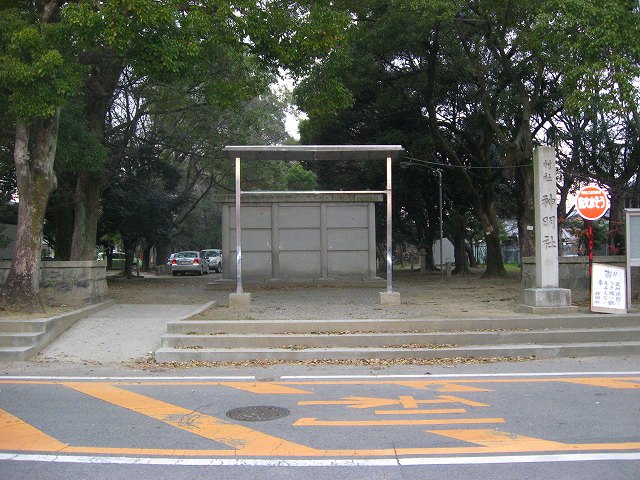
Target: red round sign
591, 202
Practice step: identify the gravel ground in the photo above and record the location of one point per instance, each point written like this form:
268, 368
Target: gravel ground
423, 296
145, 304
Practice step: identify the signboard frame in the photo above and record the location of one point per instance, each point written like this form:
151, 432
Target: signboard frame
633, 256
584, 192
605, 281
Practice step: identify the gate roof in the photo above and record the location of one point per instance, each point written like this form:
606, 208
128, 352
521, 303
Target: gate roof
313, 152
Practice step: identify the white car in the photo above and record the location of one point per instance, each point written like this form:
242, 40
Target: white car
189, 261
214, 258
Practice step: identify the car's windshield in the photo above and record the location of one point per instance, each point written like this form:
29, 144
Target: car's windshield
187, 255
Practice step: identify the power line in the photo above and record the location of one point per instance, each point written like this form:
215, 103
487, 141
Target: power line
427, 162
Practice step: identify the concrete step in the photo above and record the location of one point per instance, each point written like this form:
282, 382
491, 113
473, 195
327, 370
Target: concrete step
22, 339
17, 353
38, 325
19, 339
375, 339
166, 354
399, 325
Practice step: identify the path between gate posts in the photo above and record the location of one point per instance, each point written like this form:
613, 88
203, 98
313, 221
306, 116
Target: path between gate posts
131, 329
423, 296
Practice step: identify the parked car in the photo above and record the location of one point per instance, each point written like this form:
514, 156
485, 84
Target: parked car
214, 258
170, 259
189, 261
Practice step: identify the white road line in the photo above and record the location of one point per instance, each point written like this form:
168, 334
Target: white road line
317, 377
454, 375
329, 462
112, 379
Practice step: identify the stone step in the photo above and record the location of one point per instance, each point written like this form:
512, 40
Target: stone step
19, 339
399, 325
384, 340
19, 354
38, 325
22, 339
166, 354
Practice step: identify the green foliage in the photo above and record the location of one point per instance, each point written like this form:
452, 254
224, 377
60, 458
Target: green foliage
36, 67
78, 149
297, 178
597, 47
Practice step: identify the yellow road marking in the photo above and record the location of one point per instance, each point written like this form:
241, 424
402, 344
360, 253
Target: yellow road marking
383, 452
406, 401
418, 411
15, 434
452, 399
440, 386
504, 441
19, 435
308, 422
288, 387
604, 382
237, 436
354, 402
266, 388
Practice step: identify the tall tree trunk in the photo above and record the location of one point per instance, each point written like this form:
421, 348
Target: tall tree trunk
162, 253
61, 211
473, 263
129, 257
495, 261
460, 254
146, 256
616, 224
109, 253
459, 244
87, 203
495, 264
526, 220
99, 90
36, 180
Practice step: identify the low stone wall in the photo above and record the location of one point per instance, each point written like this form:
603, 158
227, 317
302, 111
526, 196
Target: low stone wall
574, 274
69, 283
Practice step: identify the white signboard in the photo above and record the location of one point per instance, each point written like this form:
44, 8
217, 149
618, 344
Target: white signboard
608, 289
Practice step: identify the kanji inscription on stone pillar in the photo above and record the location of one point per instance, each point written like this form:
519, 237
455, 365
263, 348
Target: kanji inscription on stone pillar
546, 227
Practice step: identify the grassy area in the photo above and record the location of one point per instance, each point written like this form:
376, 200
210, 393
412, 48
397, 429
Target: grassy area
512, 267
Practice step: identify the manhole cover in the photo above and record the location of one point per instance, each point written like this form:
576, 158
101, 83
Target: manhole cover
257, 414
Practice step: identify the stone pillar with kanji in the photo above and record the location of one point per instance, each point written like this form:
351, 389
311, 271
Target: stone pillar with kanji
547, 296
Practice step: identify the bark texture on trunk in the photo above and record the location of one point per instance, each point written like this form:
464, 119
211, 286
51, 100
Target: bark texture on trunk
99, 89
495, 263
87, 202
36, 180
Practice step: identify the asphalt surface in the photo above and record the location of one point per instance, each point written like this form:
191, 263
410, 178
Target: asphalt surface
549, 419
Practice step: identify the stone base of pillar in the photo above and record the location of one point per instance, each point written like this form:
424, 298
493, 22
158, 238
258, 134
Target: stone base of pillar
239, 300
390, 298
547, 300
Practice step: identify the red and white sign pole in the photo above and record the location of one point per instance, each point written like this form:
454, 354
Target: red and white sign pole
591, 203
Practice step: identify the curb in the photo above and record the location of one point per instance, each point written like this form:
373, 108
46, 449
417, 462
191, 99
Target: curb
195, 312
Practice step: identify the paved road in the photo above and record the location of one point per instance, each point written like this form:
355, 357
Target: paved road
533, 420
